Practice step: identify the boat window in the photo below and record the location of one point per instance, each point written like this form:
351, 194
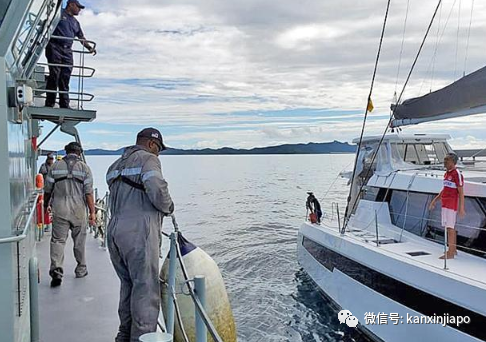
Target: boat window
410, 211
419, 153
3, 10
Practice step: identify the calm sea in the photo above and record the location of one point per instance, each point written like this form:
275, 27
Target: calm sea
245, 211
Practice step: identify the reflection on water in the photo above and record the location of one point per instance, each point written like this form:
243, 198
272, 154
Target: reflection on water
245, 211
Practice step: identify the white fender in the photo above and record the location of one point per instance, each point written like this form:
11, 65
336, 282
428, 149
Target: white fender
198, 262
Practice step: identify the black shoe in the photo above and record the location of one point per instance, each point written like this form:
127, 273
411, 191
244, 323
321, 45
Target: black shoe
55, 282
56, 275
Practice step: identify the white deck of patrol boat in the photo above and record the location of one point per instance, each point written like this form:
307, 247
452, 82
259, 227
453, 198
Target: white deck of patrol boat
79, 310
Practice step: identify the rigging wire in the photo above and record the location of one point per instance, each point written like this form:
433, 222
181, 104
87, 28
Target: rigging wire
435, 51
457, 38
440, 40
468, 36
401, 47
346, 219
368, 105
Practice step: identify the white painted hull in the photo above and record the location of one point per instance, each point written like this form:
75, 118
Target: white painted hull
352, 295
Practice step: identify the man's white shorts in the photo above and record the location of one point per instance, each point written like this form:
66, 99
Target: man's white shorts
449, 218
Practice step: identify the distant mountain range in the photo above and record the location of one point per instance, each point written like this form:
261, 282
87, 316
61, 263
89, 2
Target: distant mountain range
310, 148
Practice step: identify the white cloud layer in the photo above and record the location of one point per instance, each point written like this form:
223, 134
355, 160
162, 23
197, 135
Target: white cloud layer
180, 63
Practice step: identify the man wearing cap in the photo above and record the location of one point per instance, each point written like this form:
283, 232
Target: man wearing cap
139, 199
69, 191
46, 166
59, 51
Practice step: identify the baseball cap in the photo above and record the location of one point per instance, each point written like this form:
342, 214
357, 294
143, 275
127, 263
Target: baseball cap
76, 2
50, 156
154, 134
73, 147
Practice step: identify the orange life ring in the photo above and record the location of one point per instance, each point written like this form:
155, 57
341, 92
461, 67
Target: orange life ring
39, 181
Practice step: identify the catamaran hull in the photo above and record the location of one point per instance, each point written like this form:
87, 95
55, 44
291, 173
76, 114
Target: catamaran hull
358, 288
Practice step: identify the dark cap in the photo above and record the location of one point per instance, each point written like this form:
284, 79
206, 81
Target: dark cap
154, 134
76, 2
50, 156
73, 147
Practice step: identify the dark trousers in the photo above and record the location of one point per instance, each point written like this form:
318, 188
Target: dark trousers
59, 77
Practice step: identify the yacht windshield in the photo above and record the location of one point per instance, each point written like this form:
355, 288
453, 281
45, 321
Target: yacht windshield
420, 153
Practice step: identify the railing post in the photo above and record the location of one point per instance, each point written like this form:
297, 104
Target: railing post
105, 220
34, 299
172, 280
376, 229
446, 238
200, 288
341, 230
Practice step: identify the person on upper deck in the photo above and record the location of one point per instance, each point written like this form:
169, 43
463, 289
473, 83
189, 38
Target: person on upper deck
139, 199
46, 166
313, 205
452, 198
68, 191
59, 51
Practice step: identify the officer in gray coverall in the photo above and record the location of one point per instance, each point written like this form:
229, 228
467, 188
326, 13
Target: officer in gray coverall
68, 191
139, 199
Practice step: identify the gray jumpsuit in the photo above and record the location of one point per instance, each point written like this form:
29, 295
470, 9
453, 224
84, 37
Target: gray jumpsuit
139, 199
68, 191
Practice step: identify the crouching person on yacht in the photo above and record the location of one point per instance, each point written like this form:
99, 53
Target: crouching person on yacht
452, 198
69, 188
139, 199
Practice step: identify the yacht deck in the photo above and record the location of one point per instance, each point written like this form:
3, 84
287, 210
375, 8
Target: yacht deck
79, 310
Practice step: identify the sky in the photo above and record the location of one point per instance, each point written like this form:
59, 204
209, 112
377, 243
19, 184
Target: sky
247, 73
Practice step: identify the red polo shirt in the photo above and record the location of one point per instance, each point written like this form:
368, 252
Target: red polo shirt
453, 179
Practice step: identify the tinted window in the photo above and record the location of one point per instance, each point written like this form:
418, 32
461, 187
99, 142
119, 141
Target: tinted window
413, 215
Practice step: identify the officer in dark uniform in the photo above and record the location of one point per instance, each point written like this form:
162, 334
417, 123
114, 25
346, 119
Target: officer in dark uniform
59, 51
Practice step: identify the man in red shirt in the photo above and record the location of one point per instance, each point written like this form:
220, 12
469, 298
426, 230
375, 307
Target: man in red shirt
452, 198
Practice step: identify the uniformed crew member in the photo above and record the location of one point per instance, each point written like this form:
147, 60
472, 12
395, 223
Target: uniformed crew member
46, 166
69, 190
139, 199
59, 51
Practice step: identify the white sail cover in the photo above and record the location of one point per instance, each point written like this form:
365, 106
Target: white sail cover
464, 97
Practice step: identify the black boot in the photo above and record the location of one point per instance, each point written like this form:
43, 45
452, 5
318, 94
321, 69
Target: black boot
56, 275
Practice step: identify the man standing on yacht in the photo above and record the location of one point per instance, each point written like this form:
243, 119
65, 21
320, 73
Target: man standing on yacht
139, 199
452, 198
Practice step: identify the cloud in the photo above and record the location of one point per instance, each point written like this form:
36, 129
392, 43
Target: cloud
189, 66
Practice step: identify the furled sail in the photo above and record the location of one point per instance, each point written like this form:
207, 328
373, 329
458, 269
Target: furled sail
466, 96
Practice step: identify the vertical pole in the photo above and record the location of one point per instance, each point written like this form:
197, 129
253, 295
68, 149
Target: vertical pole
172, 276
339, 219
34, 299
446, 238
200, 288
105, 220
376, 228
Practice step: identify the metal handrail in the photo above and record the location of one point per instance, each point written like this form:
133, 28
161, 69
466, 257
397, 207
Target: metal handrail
77, 40
81, 67
23, 235
89, 96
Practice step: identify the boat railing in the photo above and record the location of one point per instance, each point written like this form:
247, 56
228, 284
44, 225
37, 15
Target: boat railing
29, 211
81, 72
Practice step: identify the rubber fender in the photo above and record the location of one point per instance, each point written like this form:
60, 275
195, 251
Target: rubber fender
199, 263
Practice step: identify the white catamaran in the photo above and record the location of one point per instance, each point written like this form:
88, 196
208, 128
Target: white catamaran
381, 261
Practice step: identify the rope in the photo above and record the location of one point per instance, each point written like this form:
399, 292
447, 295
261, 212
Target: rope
391, 118
468, 36
401, 47
366, 108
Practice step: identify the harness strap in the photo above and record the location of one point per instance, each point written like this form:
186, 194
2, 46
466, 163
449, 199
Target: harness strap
128, 181
70, 167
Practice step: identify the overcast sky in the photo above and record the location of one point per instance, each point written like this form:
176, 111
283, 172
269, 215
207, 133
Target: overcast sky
247, 73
